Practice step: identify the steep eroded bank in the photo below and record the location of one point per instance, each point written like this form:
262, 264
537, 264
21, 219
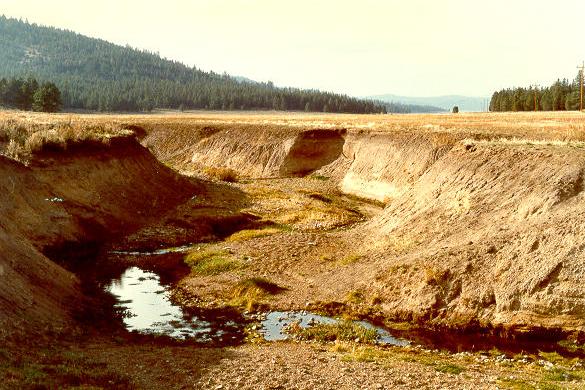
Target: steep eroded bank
492, 233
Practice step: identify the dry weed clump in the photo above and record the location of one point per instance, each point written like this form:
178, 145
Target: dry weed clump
249, 292
223, 174
434, 276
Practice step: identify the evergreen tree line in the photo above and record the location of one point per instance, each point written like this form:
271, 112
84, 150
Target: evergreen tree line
562, 95
97, 75
28, 94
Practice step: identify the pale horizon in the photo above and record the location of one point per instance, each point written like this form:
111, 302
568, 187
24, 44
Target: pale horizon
421, 48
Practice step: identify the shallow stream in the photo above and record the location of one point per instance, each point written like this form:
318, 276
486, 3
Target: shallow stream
148, 309
143, 295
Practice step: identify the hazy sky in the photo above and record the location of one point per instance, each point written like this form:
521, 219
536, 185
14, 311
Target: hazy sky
359, 47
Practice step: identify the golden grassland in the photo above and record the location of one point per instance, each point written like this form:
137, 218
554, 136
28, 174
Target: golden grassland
534, 125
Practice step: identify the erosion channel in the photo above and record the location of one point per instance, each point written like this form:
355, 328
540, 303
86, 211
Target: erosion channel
441, 246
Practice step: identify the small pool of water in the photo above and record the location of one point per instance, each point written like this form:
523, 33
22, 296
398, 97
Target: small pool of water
273, 326
148, 309
157, 252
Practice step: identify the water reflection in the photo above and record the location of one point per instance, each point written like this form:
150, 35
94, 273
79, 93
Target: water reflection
148, 309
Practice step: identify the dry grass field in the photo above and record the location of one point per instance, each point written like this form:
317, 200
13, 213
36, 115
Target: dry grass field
530, 125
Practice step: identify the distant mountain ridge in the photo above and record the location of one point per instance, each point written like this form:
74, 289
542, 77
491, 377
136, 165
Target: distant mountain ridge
98, 75
447, 102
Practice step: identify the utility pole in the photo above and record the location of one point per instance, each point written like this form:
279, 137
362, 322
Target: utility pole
581, 68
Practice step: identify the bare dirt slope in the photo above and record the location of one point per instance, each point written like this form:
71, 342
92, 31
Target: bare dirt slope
492, 232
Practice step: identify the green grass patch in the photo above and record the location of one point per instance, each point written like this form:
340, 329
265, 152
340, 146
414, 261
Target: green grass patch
558, 374
57, 370
319, 177
248, 234
515, 384
449, 368
571, 345
549, 386
340, 331
209, 263
552, 357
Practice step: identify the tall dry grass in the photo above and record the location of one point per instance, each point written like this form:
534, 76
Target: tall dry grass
21, 139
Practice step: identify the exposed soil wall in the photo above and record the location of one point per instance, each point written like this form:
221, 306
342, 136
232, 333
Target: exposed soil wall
373, 165
385, 166
492, 232
268, 153
312, 150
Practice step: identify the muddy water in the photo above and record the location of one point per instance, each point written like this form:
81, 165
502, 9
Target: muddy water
143, 296
148, 309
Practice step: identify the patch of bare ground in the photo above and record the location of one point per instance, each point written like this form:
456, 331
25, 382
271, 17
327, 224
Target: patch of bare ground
125, 363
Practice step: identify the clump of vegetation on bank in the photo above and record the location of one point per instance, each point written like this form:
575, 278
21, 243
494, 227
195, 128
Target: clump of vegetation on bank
249, 292
55, 369
20, 139
340, 331
223, 174
209, 263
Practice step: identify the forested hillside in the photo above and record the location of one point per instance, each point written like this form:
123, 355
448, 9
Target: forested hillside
98, 75
562, 95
